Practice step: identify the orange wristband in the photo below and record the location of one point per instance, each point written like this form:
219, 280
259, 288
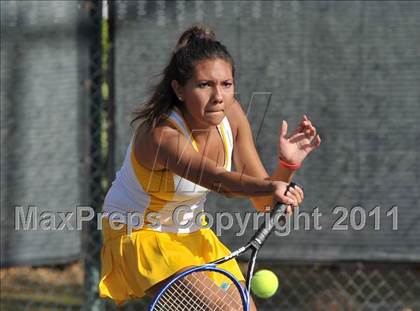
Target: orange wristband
290, 166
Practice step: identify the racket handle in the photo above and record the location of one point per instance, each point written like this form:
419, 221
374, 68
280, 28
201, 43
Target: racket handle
265, 229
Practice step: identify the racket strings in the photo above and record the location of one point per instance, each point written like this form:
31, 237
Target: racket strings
198, 292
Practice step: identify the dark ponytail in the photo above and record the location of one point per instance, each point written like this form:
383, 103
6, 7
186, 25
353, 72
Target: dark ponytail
195, 44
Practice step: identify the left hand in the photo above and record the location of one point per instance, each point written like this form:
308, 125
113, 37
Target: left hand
295, 193
303, 140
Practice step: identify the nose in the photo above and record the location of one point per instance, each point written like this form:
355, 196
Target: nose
217, 95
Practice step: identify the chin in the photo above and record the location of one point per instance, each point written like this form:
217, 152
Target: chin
215, 119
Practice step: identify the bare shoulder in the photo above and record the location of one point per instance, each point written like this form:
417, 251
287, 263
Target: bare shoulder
164, 130
150, 140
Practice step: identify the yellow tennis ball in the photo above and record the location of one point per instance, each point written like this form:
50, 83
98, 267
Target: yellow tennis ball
264, 284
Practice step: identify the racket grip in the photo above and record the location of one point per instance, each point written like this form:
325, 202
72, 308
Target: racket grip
264, 231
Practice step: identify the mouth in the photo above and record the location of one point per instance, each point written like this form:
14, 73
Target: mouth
216, 111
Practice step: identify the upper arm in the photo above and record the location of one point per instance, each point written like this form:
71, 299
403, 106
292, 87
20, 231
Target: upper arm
245, 155
175, 152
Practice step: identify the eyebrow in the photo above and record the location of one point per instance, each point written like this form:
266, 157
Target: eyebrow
209, 80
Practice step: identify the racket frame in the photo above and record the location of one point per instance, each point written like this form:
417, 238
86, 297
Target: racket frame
207, 267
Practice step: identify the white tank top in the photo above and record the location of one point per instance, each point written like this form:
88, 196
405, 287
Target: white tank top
141, 190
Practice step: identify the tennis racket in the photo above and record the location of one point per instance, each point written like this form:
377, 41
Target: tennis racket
193, 289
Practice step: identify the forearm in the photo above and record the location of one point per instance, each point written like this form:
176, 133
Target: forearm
234, 184
281, 173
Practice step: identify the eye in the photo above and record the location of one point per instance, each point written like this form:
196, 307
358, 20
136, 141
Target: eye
203, 85
228, 84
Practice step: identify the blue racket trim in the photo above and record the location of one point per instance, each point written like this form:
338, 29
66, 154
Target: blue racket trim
208, 267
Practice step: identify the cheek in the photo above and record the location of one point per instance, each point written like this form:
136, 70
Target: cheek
197, 100
193, 106
229, 96
229, 92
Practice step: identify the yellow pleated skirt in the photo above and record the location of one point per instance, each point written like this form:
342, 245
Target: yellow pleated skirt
132, 263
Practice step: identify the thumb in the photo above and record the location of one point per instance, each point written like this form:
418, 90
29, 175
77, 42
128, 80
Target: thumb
283, 129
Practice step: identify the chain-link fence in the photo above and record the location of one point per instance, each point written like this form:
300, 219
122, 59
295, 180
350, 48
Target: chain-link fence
53, 154
348, 286
61, 77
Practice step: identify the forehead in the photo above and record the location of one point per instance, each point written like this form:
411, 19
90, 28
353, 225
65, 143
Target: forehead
213, 69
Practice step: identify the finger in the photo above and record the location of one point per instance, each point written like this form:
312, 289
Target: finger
297, 137
289, 210
294, 198
311, 135
293, 193
299, 129
308, 129
316, 141
283, 129
287, 200
308, 125
299, 190
306, 119
305, 124
312, 131
298, 194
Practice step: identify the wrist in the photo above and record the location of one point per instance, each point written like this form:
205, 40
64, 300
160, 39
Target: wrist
289, 165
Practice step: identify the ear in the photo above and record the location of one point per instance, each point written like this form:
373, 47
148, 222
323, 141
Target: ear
178, 89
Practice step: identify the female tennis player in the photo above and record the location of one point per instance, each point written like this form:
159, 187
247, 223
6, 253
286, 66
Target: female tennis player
192, 130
